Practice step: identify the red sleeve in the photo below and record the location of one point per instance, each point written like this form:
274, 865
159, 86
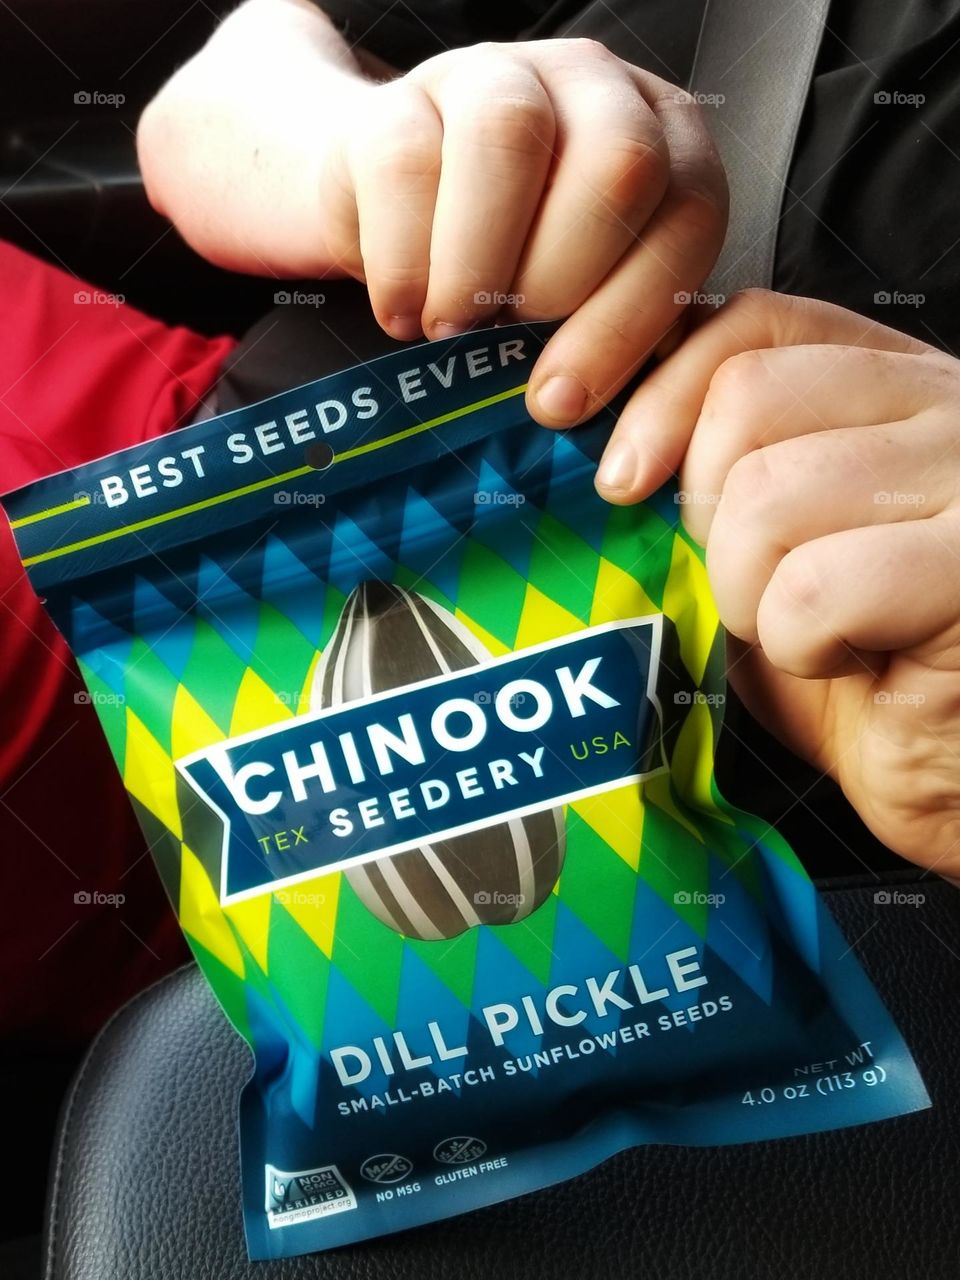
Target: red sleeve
81, 375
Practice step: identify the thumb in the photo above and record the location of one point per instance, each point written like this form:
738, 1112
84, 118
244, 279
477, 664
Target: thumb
648, 443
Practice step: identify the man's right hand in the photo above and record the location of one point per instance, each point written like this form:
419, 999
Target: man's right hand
538, 180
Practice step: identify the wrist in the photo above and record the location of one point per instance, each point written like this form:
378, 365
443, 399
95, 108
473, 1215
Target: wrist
237, 146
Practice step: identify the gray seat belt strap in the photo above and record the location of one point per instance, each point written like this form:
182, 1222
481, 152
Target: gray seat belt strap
757, 57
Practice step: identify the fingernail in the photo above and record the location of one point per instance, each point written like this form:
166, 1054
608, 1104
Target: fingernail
562, 398
404, 328
442, 329
618, 467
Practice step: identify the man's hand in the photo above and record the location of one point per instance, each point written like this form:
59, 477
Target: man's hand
537, 180
819, 459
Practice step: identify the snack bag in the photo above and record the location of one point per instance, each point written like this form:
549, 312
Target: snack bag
421, 734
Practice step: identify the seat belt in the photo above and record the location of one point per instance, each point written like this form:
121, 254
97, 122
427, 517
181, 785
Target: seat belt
757, 57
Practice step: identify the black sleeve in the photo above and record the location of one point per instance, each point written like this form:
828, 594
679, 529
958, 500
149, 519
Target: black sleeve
405, 32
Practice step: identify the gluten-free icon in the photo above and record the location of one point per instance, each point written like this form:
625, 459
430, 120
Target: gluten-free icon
459, 1150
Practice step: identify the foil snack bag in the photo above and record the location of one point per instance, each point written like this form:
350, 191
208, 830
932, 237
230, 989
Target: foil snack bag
421, 734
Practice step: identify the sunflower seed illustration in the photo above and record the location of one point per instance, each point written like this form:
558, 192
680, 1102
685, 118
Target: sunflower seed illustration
388, 637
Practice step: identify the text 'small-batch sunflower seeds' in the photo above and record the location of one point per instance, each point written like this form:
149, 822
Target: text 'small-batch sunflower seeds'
421, 733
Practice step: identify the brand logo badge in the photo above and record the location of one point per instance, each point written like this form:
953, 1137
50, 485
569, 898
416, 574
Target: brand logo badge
428, 761
301, 1197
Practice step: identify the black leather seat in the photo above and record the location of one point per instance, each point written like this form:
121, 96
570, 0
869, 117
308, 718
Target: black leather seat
145, 1184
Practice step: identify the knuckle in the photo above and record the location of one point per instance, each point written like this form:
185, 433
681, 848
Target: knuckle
781, 319
584, 48
455, 63
753, 300
674, 99
753, 487
800, 582
698, 217
701, 192
771, 318
479, 65
390, 161
737, 381
582, 59
613, 329
940, 373
398, 142
692, 220
662, 92
398, 276
629, 167
761, 318
515, 123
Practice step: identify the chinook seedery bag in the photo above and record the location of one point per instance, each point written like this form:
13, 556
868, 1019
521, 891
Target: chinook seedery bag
421, 734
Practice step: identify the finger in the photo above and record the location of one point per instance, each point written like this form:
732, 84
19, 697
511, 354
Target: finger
783, 495
790, 709
611, 172
612, 334
861, 592
673, 337
900, 793
761, 397
498, 136
654, 430
395, 168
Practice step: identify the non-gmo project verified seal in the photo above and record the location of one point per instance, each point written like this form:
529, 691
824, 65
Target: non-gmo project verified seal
301, 1197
